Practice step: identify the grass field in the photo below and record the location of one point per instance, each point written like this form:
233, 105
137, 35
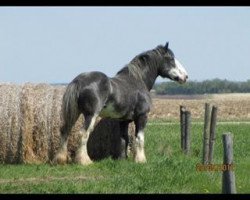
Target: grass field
167, 169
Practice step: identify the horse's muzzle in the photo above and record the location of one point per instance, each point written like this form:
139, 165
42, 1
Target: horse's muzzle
181, 80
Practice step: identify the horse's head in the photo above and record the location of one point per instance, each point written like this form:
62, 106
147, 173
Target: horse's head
172, 68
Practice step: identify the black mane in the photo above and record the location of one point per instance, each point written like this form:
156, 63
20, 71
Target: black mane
144, 67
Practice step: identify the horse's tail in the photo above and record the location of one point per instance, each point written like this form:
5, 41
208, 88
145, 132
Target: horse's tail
70, 112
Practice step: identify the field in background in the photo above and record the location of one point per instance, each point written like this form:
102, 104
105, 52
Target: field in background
231, 107
167, 169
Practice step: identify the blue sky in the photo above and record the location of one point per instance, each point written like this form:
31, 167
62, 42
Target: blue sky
54, 44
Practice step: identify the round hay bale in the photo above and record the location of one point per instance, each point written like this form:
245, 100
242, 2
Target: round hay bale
30, 124
5, 120
42, 121
13, 155
9, 123
54, 139
27, 114
131, 135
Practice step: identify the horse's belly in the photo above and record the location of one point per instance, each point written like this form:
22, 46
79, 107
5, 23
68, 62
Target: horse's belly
110, 112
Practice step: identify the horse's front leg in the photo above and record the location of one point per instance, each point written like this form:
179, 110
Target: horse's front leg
82, 156
139, 153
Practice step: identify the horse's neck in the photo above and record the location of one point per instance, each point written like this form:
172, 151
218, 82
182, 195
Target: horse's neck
149, 78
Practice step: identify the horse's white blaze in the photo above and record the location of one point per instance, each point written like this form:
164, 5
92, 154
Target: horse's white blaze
180, 66
178, 71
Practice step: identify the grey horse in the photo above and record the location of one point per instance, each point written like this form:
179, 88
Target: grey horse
124, 97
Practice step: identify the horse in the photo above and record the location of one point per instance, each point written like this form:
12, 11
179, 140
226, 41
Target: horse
124, 97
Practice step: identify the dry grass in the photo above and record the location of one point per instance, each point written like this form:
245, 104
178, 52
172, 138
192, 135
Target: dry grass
30, 121
230, 106
10, 123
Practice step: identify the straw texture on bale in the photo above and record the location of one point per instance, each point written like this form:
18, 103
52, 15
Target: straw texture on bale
10, 146
30, 124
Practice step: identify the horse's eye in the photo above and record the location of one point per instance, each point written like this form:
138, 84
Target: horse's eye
171, 60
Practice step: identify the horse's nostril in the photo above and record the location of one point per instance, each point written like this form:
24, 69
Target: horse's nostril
186, 76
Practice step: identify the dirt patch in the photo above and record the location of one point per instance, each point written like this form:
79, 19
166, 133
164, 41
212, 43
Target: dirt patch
230, 106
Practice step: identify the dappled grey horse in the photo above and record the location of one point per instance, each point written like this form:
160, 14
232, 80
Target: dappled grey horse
124, 97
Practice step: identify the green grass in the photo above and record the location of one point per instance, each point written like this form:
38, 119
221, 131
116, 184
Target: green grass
167, 169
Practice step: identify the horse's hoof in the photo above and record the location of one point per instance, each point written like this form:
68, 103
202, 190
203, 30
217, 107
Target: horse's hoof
60, 158
83, 160
140, 160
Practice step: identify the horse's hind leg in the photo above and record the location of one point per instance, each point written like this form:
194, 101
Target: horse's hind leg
62, 154
82, 156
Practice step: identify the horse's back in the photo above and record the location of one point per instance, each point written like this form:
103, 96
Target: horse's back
94, 89
85, 79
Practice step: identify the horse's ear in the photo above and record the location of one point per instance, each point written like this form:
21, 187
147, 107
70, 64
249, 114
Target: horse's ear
166, 46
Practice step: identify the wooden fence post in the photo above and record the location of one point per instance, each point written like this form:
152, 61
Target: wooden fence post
228, 177
182, 123
187, 132
206, 134
212, 134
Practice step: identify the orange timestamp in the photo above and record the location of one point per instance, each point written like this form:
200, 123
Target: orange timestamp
214, 167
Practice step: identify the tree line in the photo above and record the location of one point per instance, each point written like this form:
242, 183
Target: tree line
202, 87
